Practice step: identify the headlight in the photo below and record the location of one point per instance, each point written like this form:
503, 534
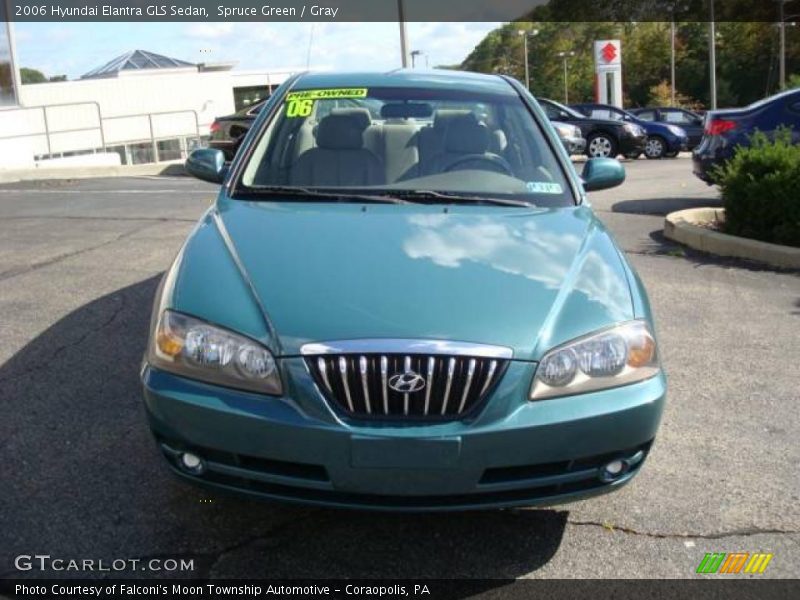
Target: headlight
633, 129
610, 358
193, 348
565, 130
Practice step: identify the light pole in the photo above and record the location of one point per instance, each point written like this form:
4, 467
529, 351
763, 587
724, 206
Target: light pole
414, 55
402, 20
566, 56
712, 57
525, 35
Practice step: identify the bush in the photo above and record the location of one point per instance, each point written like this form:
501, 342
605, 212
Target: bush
761, 189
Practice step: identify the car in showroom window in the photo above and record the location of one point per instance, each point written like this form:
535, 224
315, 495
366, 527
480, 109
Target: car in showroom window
401, 300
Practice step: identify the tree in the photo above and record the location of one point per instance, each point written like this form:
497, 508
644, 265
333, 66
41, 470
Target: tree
31, 76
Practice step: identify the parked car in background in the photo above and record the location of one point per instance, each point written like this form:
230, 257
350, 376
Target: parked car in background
727, 129
228, 132
605, 138
662, 139
406, 304
690, 122
571, 137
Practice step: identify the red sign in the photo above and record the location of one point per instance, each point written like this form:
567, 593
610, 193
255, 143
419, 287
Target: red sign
609, 52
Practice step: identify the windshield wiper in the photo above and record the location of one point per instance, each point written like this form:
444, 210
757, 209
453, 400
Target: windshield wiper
332, 195
458, 198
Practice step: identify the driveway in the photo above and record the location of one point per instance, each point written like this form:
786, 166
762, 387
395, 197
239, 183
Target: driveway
79, 264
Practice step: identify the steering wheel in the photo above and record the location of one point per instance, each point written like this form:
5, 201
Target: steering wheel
496, 163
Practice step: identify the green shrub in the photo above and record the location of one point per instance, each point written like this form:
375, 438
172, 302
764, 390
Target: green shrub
761, 189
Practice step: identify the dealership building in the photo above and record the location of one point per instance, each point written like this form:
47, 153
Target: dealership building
140, 107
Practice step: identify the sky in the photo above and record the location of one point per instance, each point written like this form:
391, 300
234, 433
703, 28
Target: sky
73, 49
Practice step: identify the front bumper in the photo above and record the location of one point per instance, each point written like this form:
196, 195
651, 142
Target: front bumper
632, 144
574, 145
515, 453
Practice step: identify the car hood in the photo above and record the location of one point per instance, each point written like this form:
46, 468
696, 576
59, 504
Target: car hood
519, 278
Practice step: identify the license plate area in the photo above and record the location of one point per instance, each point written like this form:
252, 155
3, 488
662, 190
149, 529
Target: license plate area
370, 452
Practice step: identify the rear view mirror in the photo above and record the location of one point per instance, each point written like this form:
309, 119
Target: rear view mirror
406, 110
207, 164
602, 174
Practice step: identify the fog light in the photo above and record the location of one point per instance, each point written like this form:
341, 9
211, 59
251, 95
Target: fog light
614, 470
191, 463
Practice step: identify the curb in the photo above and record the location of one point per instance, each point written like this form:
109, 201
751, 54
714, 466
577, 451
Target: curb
172, 168
681, 227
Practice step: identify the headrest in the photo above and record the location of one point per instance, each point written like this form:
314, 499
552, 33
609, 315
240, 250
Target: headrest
443, 116
362, 114
465, 135
341, 132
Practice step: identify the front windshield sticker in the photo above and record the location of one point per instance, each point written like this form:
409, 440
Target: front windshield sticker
544, 187
300, 104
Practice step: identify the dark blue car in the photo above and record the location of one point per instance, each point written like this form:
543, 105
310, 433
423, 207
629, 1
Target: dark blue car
662, 139
725, 130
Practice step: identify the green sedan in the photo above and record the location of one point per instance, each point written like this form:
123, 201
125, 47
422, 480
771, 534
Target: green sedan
402, 300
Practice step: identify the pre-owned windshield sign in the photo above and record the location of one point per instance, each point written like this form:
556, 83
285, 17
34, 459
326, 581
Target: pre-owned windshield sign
300, 104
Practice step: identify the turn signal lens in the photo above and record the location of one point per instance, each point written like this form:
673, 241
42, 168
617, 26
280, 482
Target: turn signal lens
641, 350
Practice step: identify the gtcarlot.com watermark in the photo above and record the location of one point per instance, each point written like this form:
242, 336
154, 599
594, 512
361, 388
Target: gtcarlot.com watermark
45, 562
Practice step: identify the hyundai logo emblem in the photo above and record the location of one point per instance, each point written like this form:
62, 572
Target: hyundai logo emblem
407, 383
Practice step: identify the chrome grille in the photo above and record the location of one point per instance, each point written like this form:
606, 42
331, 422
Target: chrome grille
361, 384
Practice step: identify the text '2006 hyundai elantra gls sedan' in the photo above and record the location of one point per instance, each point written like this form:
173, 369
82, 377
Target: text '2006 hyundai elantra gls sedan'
402, 300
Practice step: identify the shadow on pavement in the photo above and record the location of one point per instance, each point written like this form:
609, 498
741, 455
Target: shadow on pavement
663, 206
82, 479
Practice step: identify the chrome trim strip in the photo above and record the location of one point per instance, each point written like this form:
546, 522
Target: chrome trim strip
489, 377
362, 363
470, 374
343, 372
384, 373
429, 383
406, 369
406, 346
451, 368
323, 369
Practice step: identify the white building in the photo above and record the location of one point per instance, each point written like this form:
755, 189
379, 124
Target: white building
142, 106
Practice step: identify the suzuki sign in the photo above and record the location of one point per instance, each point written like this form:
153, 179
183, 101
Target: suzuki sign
608, 72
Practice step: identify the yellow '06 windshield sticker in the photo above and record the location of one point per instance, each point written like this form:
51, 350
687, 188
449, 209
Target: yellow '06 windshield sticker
300, 104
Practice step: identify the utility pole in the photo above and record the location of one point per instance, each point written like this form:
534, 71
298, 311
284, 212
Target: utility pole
712, 57
401, 18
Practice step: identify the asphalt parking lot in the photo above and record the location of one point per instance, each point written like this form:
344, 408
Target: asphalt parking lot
81, 477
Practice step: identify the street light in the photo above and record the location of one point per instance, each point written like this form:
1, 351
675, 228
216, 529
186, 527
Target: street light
782, 19
566, 56
525, 35
712, 57
414, 55
402, 20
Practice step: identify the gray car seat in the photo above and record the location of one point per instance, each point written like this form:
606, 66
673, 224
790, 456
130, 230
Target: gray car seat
466, 143
340, 158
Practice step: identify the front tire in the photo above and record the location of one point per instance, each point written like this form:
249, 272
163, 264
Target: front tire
601, 145
655, 148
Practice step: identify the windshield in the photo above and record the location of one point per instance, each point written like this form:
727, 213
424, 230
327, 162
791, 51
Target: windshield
437, 145
551, 107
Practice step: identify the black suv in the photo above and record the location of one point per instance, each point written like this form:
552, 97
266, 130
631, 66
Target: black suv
604, 138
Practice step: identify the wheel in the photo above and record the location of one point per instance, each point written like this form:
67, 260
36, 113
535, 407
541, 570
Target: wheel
601, 145
633, 155
655, 148
496, 163
671, 154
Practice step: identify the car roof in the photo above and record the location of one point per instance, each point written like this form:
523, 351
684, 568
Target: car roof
411, 78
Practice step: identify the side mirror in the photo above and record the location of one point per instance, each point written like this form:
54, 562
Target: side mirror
207, 164
602, 174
